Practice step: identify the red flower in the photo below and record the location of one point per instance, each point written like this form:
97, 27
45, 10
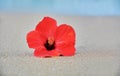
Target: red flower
50, 40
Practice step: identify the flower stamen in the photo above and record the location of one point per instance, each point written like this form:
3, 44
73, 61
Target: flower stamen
50, 44
50, 40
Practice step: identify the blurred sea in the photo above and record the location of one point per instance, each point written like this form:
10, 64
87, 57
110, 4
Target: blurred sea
69, 7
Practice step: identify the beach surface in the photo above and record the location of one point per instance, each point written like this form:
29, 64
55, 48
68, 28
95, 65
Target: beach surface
97, 47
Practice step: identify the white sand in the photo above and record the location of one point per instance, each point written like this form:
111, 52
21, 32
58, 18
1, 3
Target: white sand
97, 43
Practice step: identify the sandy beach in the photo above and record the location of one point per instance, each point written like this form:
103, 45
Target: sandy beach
97, 47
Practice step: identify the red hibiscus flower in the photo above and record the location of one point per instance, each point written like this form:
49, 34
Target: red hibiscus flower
50, 40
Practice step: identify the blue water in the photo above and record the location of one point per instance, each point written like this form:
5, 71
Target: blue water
70, 7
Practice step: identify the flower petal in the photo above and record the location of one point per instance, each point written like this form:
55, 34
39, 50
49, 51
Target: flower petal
34, 39
68, 50
47, 27
42, 52
64, 35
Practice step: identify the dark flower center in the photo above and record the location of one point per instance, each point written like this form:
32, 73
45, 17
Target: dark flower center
50, 44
